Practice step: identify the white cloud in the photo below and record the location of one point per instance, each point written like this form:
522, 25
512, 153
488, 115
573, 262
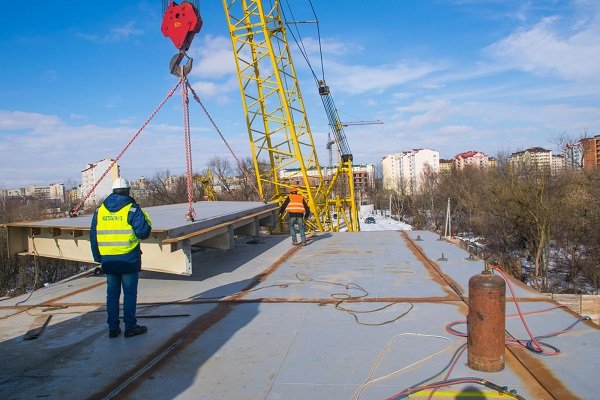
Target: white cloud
127, 120
44, 149
119, 33
421, 114
13, 120
76, 117
115, 34
456, 130
363, 78
213, 57
205, 88
331, 47
544, 50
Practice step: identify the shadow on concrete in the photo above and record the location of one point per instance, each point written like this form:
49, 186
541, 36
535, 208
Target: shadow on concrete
77, 349
208, 263
175, 375
75, 358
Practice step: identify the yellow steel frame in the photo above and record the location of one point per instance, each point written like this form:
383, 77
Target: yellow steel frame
208, 188
280, 135
343, 206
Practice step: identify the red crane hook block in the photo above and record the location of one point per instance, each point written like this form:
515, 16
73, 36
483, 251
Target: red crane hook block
180, 23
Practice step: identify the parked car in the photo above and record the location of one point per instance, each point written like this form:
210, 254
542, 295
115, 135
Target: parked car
369, 220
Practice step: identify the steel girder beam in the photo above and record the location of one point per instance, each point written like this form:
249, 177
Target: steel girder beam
169, 247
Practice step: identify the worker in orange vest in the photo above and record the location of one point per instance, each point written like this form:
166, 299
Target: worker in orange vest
297, 210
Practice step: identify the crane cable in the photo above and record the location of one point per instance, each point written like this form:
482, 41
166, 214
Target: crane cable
319, 38
300, 43
191, 215
239, 164
75, 210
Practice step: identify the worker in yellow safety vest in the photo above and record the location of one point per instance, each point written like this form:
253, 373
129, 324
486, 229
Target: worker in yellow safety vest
117, 227
297, 210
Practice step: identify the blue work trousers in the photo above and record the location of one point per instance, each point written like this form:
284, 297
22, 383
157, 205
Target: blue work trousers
300, 222
113, 294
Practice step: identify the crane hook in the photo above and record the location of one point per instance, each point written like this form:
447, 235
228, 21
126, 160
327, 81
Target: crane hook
175, 64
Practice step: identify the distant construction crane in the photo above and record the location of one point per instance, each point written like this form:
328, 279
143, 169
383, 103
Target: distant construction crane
208, 189
330, 141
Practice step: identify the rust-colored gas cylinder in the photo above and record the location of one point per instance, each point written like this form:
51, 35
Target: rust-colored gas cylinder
485, 323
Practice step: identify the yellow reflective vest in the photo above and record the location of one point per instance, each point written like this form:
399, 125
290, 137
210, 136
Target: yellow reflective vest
115, 235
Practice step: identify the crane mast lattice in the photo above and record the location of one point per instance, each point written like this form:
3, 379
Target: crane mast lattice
278, 127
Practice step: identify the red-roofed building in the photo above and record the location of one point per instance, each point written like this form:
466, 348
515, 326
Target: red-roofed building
471, 158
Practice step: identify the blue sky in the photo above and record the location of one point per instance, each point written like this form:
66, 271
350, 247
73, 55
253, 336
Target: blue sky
79, 78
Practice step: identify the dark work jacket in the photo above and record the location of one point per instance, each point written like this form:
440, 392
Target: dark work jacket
297, 215
122, 263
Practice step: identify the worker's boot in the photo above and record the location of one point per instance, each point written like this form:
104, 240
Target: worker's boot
114, 333
136, 330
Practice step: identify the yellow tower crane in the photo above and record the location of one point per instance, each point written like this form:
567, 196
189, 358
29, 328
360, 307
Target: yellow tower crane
278, 127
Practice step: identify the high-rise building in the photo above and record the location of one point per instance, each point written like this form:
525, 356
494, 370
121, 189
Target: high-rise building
403, 172
90, 175
591, 152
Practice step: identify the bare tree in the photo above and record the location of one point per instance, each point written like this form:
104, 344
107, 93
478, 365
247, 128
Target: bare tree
164, 188
223, 171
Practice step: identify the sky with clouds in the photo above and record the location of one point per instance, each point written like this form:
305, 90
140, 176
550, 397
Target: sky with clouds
79, 80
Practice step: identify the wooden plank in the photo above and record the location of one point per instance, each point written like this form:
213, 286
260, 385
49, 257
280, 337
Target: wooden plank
37, 327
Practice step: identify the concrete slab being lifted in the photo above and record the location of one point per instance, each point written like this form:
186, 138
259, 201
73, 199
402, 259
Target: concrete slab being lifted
169, 248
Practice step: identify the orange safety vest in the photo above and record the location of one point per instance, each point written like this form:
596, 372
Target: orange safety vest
295, 205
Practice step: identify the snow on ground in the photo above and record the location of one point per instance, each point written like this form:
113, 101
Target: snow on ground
382, 223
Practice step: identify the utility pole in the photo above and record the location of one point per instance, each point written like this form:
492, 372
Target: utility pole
448, 223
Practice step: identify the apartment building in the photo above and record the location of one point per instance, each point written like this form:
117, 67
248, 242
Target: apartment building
140, 188
475, 159
591, 152
536, 157
573, 156
14, 193
73, 195
54, 191
90, 175
558, 163
363, 175
403, 172
446, 166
